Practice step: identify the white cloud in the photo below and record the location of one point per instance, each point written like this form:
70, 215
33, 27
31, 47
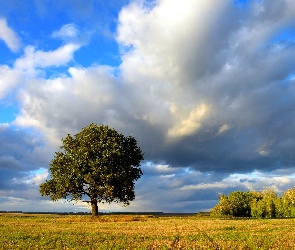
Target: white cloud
9, 78
223, 129
4, 126
32, 64
34, 59
203, 186
39, 177
72, 102
165, 42
9, 36
190, 125
67, 31
258, 180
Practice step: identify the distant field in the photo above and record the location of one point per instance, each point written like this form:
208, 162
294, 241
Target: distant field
21, 231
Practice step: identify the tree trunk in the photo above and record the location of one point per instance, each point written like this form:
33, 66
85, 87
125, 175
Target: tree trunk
94, 207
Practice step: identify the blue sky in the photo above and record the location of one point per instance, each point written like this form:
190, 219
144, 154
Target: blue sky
206, 87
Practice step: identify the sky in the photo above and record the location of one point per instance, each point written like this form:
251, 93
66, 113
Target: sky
206, 87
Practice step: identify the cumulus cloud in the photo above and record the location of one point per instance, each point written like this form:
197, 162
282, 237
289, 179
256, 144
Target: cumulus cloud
9, 36
188, 72
75, 94
32, 64
206, 88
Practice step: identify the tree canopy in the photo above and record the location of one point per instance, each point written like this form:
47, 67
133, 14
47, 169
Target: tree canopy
256, 204
97, 162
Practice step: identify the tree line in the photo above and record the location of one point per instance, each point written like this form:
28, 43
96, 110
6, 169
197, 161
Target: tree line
256, 204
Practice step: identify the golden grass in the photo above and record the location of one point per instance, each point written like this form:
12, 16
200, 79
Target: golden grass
142, 232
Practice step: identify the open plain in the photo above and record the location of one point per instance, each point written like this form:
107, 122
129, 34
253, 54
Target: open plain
32, 231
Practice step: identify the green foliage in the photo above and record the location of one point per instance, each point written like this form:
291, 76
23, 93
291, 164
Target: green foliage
223, 208
97, 162
289, 202
258, 209
280, 208
240, 203
265, 204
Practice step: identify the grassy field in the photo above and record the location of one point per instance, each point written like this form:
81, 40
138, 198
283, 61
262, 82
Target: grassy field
21, 231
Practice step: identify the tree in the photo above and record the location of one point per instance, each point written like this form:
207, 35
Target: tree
240, 203
269, 197
258, 209
257, 204
289, 202
223, 208
281, 208
289, 196
97, 162
269, 206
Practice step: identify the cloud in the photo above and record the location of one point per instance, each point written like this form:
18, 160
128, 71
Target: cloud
193, 191
34, 62
223, 129
233, 67
20, 153
34, 59
67, 31
76, 93
71, 34
40, 177
206, 88
191, 125
9, 79
9, 162
9, 36
217, 86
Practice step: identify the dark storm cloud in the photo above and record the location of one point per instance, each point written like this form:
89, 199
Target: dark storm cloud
238, 70
20, 153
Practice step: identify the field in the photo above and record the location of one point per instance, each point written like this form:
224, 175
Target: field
22, 231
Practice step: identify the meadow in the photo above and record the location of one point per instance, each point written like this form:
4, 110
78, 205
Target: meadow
29, 231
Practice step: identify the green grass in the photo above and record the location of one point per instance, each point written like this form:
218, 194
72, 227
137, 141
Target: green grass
142, 232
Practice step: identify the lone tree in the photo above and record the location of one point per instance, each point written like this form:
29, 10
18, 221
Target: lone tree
97, 162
